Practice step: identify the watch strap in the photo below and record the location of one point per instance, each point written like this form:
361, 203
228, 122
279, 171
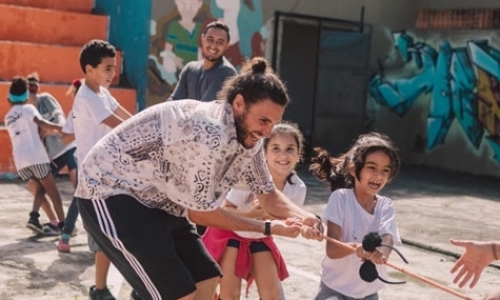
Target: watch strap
267, 227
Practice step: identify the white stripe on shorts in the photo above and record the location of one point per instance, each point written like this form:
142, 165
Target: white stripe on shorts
39, 171
108, 227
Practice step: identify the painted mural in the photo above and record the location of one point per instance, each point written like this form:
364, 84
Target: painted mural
175, 38
463, 83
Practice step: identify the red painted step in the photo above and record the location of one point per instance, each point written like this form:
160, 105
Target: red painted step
34, 25
82, 6
6, 159
53, 63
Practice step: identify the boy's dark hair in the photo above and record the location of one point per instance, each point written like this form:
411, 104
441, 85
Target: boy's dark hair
255, 83
220, 25
94, 51
18, 86
335, 170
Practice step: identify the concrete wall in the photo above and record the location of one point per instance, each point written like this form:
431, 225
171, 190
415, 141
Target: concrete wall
465, 143
458, 4
384, 15
446, 114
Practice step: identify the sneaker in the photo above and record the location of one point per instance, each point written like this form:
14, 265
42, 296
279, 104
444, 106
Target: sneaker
34, 223
63, 246
50, 229
97, 294
135, 296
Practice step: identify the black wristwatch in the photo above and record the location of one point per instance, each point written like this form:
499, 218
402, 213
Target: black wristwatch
267, 227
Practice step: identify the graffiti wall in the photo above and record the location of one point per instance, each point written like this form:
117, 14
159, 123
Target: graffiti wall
461, 83
175, 36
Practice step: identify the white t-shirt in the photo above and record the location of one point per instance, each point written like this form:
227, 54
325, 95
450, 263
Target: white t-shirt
51, 111
68, 127
89, 110
244, 200
344, 210
27, 147
172, 156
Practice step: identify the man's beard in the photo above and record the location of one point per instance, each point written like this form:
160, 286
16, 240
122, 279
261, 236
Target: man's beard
210, 58
241, 129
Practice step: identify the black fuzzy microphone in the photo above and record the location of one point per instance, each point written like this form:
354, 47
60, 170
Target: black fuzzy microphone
368, 271
371, 241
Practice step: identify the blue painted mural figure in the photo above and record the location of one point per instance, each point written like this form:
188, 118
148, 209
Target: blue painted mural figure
463, 84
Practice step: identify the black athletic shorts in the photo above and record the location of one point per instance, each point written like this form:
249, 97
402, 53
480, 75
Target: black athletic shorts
65, 159
161, 256
254, 246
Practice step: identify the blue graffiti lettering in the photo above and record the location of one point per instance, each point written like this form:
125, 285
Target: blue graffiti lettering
456, 93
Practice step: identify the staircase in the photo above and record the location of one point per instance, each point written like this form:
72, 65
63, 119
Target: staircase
46, 36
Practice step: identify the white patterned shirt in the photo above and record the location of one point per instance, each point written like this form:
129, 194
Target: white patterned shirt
172, 156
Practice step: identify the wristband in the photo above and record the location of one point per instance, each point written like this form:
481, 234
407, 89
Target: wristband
267, 227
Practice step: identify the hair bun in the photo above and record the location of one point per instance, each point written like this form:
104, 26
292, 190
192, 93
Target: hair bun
259, 65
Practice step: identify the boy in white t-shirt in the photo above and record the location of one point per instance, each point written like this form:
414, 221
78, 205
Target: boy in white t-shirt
95, 113
31, 160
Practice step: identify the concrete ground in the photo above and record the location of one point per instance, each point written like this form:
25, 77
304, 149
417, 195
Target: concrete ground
431, 206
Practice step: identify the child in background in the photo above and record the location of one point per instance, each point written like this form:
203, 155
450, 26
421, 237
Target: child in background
31, 160
95, 113
59, 153
68, 136
264, 262
355, 209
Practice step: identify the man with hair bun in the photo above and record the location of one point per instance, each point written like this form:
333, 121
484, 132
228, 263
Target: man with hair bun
142, 184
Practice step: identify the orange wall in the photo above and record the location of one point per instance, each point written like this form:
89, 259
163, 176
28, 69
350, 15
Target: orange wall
83, 6
53, 63
33, 24
6, 160
47, 36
